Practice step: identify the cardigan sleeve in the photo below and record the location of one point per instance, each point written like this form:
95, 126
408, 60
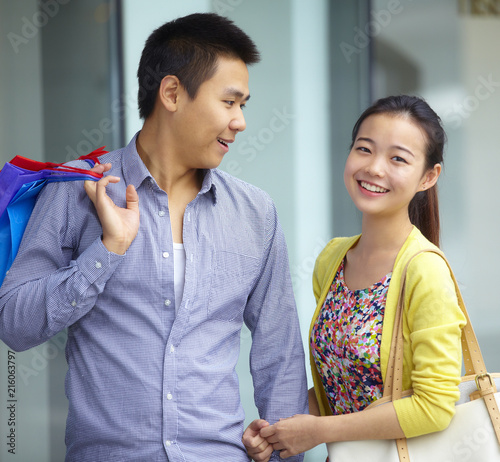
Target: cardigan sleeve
318, 281
432, 329
325, 268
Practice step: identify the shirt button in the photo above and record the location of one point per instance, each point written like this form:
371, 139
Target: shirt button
73, 303
161, 213
172, 349
167, 302
98, 264
165, 254
168, 443
169, 396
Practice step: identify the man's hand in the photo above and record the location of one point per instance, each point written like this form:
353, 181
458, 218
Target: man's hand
119, 225
257, 447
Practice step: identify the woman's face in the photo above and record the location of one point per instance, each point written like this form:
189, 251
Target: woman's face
386, 166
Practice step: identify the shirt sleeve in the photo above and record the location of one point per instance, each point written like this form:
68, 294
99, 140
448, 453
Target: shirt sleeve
434, 327
277, 360
49, 286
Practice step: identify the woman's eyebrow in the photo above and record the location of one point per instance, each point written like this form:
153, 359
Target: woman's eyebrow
395, 146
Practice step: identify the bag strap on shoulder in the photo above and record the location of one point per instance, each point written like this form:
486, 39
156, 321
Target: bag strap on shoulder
472, 357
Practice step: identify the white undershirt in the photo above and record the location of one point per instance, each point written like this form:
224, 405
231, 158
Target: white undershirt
179, 273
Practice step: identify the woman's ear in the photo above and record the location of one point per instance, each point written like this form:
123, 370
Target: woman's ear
430, 177
168, 92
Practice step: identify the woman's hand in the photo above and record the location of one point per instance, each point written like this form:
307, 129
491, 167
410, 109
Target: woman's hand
293, 435
119, 225
257, 447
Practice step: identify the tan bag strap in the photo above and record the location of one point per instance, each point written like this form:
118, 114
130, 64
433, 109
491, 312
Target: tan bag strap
473, 359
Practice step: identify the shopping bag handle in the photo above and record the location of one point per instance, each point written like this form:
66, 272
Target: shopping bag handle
36, 166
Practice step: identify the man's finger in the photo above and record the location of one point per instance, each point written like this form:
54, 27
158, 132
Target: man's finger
100, 168
97, 190
90, 188
255, 427
132, 198
265, 455
101, 186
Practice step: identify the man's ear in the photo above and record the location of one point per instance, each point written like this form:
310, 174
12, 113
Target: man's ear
168, 92
430, 177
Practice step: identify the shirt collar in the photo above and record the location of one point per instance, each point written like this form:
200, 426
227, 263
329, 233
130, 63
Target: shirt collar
209, 185
135, 172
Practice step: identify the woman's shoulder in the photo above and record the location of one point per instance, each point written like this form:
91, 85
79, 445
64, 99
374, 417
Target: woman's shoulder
332, 254
418, 249
328, 261
425, 263
337, 246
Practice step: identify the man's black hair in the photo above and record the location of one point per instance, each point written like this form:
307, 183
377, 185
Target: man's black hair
188, 48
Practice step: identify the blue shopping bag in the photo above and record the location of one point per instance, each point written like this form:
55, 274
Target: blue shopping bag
21, 180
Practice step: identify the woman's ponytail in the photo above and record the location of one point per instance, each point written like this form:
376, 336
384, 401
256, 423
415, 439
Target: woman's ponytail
424, 214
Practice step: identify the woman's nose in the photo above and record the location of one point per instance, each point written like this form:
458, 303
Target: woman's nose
375, 167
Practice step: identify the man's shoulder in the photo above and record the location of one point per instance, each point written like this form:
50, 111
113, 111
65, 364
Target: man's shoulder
228, 184
114, 156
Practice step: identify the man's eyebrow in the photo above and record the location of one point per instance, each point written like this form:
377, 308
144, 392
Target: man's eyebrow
396, 146
230, 91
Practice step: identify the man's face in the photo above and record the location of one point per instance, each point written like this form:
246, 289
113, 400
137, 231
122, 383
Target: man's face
208, 124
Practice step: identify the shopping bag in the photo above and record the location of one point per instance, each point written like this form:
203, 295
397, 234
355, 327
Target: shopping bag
21, 180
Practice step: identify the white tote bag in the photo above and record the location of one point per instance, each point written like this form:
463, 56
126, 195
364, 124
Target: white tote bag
474, 432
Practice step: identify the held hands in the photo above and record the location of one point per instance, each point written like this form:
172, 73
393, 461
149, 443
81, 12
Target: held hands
290, 436
119, 225
258, 448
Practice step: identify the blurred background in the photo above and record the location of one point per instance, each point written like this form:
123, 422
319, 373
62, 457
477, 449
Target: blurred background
68, 85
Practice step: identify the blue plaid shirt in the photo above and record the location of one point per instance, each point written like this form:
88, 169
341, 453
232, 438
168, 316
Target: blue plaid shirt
145, 384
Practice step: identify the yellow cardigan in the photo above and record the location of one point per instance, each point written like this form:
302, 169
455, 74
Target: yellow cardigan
432, 328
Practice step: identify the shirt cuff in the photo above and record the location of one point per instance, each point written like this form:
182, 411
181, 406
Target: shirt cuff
97, 263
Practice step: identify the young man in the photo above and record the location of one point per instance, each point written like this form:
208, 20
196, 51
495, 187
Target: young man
154, 269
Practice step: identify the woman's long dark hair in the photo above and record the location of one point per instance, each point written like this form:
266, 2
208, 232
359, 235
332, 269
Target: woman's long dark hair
424, 207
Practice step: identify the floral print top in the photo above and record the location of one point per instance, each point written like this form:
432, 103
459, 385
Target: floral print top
345, 342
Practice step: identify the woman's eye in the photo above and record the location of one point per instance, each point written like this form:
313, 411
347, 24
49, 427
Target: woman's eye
229, 102
400, 159
363, 149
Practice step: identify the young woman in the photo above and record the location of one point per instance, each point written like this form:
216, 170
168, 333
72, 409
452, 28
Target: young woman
390, 174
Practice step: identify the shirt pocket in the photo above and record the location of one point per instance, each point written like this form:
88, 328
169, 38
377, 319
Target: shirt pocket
232, 279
